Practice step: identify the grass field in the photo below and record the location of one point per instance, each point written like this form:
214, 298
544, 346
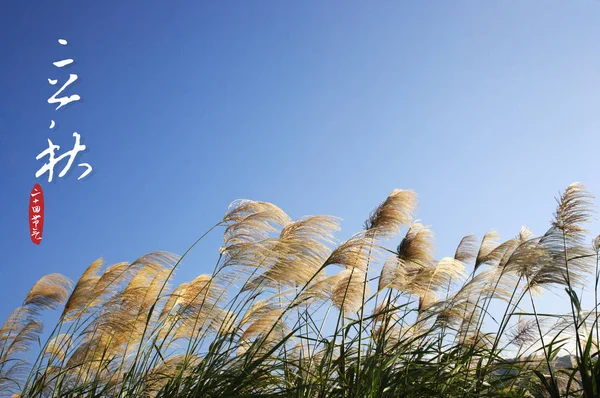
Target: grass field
289, 312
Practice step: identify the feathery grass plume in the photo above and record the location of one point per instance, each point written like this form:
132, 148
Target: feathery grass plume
197, 307
258, 284
574, 209
306, 242
14, 323
18, 332
88, 356
183, 329
268, 320
320, 290
417, 246
413, 266
596, 244
254, 227
118, 276
527, 259
509, 250
553, 270
413, 335
571, 260
466, 250
164, 373
111, 279
173, 300
477, 341
467, 335
500, 254
452, 312
140, 283
353, 253
59, 346
423, 280
202, 291
392, 275
301, 251
49, 292
49, 376
387, 219
490, 284
390, 336
226, 321
524, 332
158, 260
313, 228
137, 300
259, 309
81, 298
461, 308
143, 288
498, 284
240, 209
194, 326
426, 300
348, 291
117, 329
305, 359
114, 326
588, 320
488, 244
525, 234
563, 325
20, 341
249, 257
441, 274
516, 246
384, 311
250, 221
266, 328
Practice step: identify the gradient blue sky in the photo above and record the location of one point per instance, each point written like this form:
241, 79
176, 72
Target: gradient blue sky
487, 109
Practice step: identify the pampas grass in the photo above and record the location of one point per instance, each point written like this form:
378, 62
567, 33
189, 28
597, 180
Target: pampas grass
288, 312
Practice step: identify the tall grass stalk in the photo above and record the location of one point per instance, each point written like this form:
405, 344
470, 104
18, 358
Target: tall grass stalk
287, 311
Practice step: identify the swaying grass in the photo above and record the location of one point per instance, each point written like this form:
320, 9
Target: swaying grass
286, 312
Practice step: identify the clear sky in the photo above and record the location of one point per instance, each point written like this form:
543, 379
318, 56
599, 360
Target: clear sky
487, 109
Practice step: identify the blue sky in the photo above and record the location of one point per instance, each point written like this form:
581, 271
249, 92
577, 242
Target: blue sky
487, 109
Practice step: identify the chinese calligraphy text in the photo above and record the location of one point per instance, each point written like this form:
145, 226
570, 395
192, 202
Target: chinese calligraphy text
36, 214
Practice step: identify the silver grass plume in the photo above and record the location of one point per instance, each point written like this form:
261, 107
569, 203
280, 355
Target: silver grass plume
249, 221
466, 251
396, 211
348, 290
488, 244
81, 298
49, 292
353, 253
300, 252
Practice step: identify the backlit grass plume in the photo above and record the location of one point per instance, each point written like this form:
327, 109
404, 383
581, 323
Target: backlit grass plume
289, 309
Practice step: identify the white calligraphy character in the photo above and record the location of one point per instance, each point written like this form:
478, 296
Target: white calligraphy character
52, 160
